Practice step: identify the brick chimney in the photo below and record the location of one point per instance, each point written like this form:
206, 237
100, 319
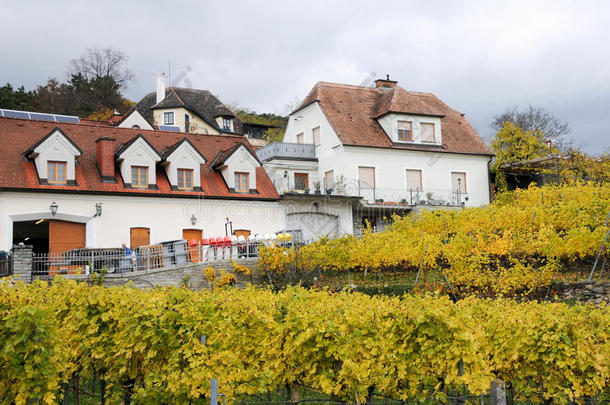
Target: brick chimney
161, 83
104, 149
385, 83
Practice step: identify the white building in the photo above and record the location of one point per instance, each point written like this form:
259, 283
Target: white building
389, 149
73, 185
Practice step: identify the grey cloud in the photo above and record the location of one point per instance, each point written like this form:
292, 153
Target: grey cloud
480, 57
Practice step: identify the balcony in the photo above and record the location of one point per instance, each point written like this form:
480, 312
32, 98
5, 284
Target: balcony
378, 196
281, 150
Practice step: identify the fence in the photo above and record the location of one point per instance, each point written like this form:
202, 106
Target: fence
161, 256
6, 264
355, 188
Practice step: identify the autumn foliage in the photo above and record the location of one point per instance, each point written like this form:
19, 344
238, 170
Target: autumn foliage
513, 246
343, 344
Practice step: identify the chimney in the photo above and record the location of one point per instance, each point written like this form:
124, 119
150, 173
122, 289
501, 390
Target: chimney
385, 83
161, 82
104, 149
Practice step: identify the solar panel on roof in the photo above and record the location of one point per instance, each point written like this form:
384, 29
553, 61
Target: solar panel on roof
42, 117
169, 128
15, 114
67, 118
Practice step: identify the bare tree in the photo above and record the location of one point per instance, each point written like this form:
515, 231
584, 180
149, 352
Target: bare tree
98, 63
538, 119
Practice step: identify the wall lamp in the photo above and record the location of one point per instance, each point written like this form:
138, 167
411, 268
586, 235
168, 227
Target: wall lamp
53, 208
193, 219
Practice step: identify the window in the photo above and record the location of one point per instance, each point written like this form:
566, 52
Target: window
187, 123
168, 118
366, 177
329, 179
185, 179
139, 176
427, 132
405, 132
241, 182
300, 138
56, 173
301, 181
226, 124
414, 180
458, 182
315, 133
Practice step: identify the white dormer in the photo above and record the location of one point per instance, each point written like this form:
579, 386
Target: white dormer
55, 158
225, 123
137, 161
238, 168
182, 163
412, 129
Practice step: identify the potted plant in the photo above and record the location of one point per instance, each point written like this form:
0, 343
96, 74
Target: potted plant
339, 185
316, 185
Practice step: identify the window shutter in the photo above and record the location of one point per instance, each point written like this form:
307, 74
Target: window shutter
427, 132
329, 178
366, 176
458, 182
414, 180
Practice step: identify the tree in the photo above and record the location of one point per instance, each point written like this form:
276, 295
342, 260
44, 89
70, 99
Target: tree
98, 63
513, 144
538, 119
19, 99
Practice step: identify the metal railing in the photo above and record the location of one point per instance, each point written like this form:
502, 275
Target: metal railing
376, 195
162, 256
6, 264
286, 150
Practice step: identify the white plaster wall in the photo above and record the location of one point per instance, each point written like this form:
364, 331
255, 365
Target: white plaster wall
184, 157
342, 209
166, 217
391, 165
139, 154
305, 121
389, 123
240, 161
55, 148
135, 118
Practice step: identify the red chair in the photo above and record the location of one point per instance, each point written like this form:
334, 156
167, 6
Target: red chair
194, 250
213, 245
205, 246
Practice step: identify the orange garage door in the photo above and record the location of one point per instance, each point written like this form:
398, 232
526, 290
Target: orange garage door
64, 235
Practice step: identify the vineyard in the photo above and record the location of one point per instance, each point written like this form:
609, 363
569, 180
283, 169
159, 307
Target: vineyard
512, 247
165, 345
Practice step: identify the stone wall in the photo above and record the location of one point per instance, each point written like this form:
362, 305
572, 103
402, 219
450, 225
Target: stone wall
191, 274
588, 291
22, 262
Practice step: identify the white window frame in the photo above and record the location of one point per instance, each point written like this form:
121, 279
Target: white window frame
166, 116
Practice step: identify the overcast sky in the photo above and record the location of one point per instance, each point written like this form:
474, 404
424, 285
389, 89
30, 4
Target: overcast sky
478, 56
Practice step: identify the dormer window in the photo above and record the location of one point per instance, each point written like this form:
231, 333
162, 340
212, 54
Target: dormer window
427, 132
56, 172
182, 163
55, 158
139, 176
168, 118
185, 179
241, 182
226, 124
405, 131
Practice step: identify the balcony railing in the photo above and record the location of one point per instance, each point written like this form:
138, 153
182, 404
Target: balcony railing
286, 151
377, 195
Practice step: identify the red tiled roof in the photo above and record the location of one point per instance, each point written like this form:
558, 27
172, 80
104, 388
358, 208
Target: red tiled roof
353, 111
16, 173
